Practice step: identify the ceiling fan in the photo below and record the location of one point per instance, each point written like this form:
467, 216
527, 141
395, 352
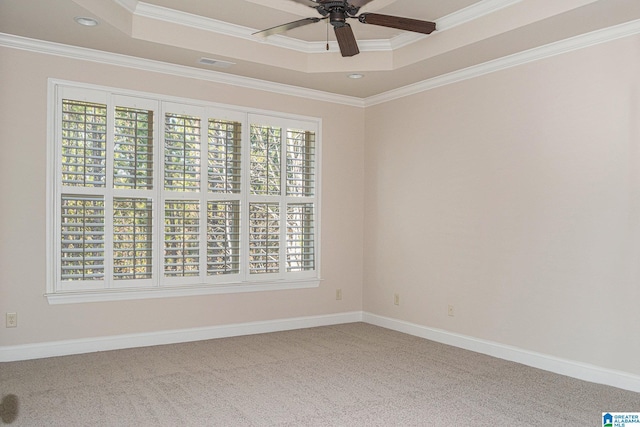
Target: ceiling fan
337, 12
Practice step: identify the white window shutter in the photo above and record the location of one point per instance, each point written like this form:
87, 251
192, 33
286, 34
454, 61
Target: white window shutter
176, 195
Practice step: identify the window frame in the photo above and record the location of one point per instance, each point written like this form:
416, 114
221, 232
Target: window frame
160, 286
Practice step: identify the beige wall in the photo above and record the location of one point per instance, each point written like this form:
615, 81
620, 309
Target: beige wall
515, 197
23, 136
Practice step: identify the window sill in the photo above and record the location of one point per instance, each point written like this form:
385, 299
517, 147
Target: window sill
183, 291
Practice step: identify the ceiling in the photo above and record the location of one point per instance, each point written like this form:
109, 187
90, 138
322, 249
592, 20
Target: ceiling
181, 32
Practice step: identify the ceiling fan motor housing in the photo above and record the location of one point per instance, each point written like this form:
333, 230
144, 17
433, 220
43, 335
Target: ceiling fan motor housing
338, 11
337, 18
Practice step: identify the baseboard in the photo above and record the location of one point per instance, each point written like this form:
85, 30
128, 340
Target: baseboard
90, 345
570, 368
566, 367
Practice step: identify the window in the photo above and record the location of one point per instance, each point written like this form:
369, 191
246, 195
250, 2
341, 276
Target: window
158, 197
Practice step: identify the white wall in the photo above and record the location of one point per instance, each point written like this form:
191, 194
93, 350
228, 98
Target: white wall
515, 197
23, 137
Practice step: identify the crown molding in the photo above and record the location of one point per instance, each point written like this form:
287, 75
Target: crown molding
575, 43
130, 5
470, 13
146, 10
321, 47
564, 46
84, 54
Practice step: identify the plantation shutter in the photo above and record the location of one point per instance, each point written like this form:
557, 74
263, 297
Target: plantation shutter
266, 152
151, 194
282, 197
82, 237
133, 149
301, 160
181, 238
264, 238
106, 209
300, 237
182, 191
132, 238
182, 155
224, 154
224, 186
84, 136
223, 237
82, 201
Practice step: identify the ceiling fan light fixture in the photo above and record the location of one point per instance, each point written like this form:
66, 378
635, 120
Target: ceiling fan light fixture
86, 21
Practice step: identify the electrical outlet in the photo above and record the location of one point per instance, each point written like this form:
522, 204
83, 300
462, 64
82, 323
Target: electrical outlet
450, 310
12, 320
338, 294
396, 299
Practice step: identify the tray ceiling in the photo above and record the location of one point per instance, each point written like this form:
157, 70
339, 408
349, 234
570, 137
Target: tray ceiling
182, 32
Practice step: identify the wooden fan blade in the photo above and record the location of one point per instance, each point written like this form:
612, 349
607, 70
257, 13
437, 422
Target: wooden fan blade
359, 3
286, 27
407, 24
346, 41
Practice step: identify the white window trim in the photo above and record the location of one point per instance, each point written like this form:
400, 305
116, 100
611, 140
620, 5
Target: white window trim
243, 283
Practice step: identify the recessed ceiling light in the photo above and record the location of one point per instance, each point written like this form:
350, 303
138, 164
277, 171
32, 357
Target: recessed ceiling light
86, 21
355, 76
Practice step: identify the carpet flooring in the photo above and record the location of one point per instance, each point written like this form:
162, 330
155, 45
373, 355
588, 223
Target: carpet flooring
346, 375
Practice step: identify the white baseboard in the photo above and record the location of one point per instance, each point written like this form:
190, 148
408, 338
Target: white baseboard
570, 368
90, 345
566, 367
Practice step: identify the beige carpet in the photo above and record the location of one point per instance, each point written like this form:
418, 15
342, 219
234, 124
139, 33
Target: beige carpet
347, 375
